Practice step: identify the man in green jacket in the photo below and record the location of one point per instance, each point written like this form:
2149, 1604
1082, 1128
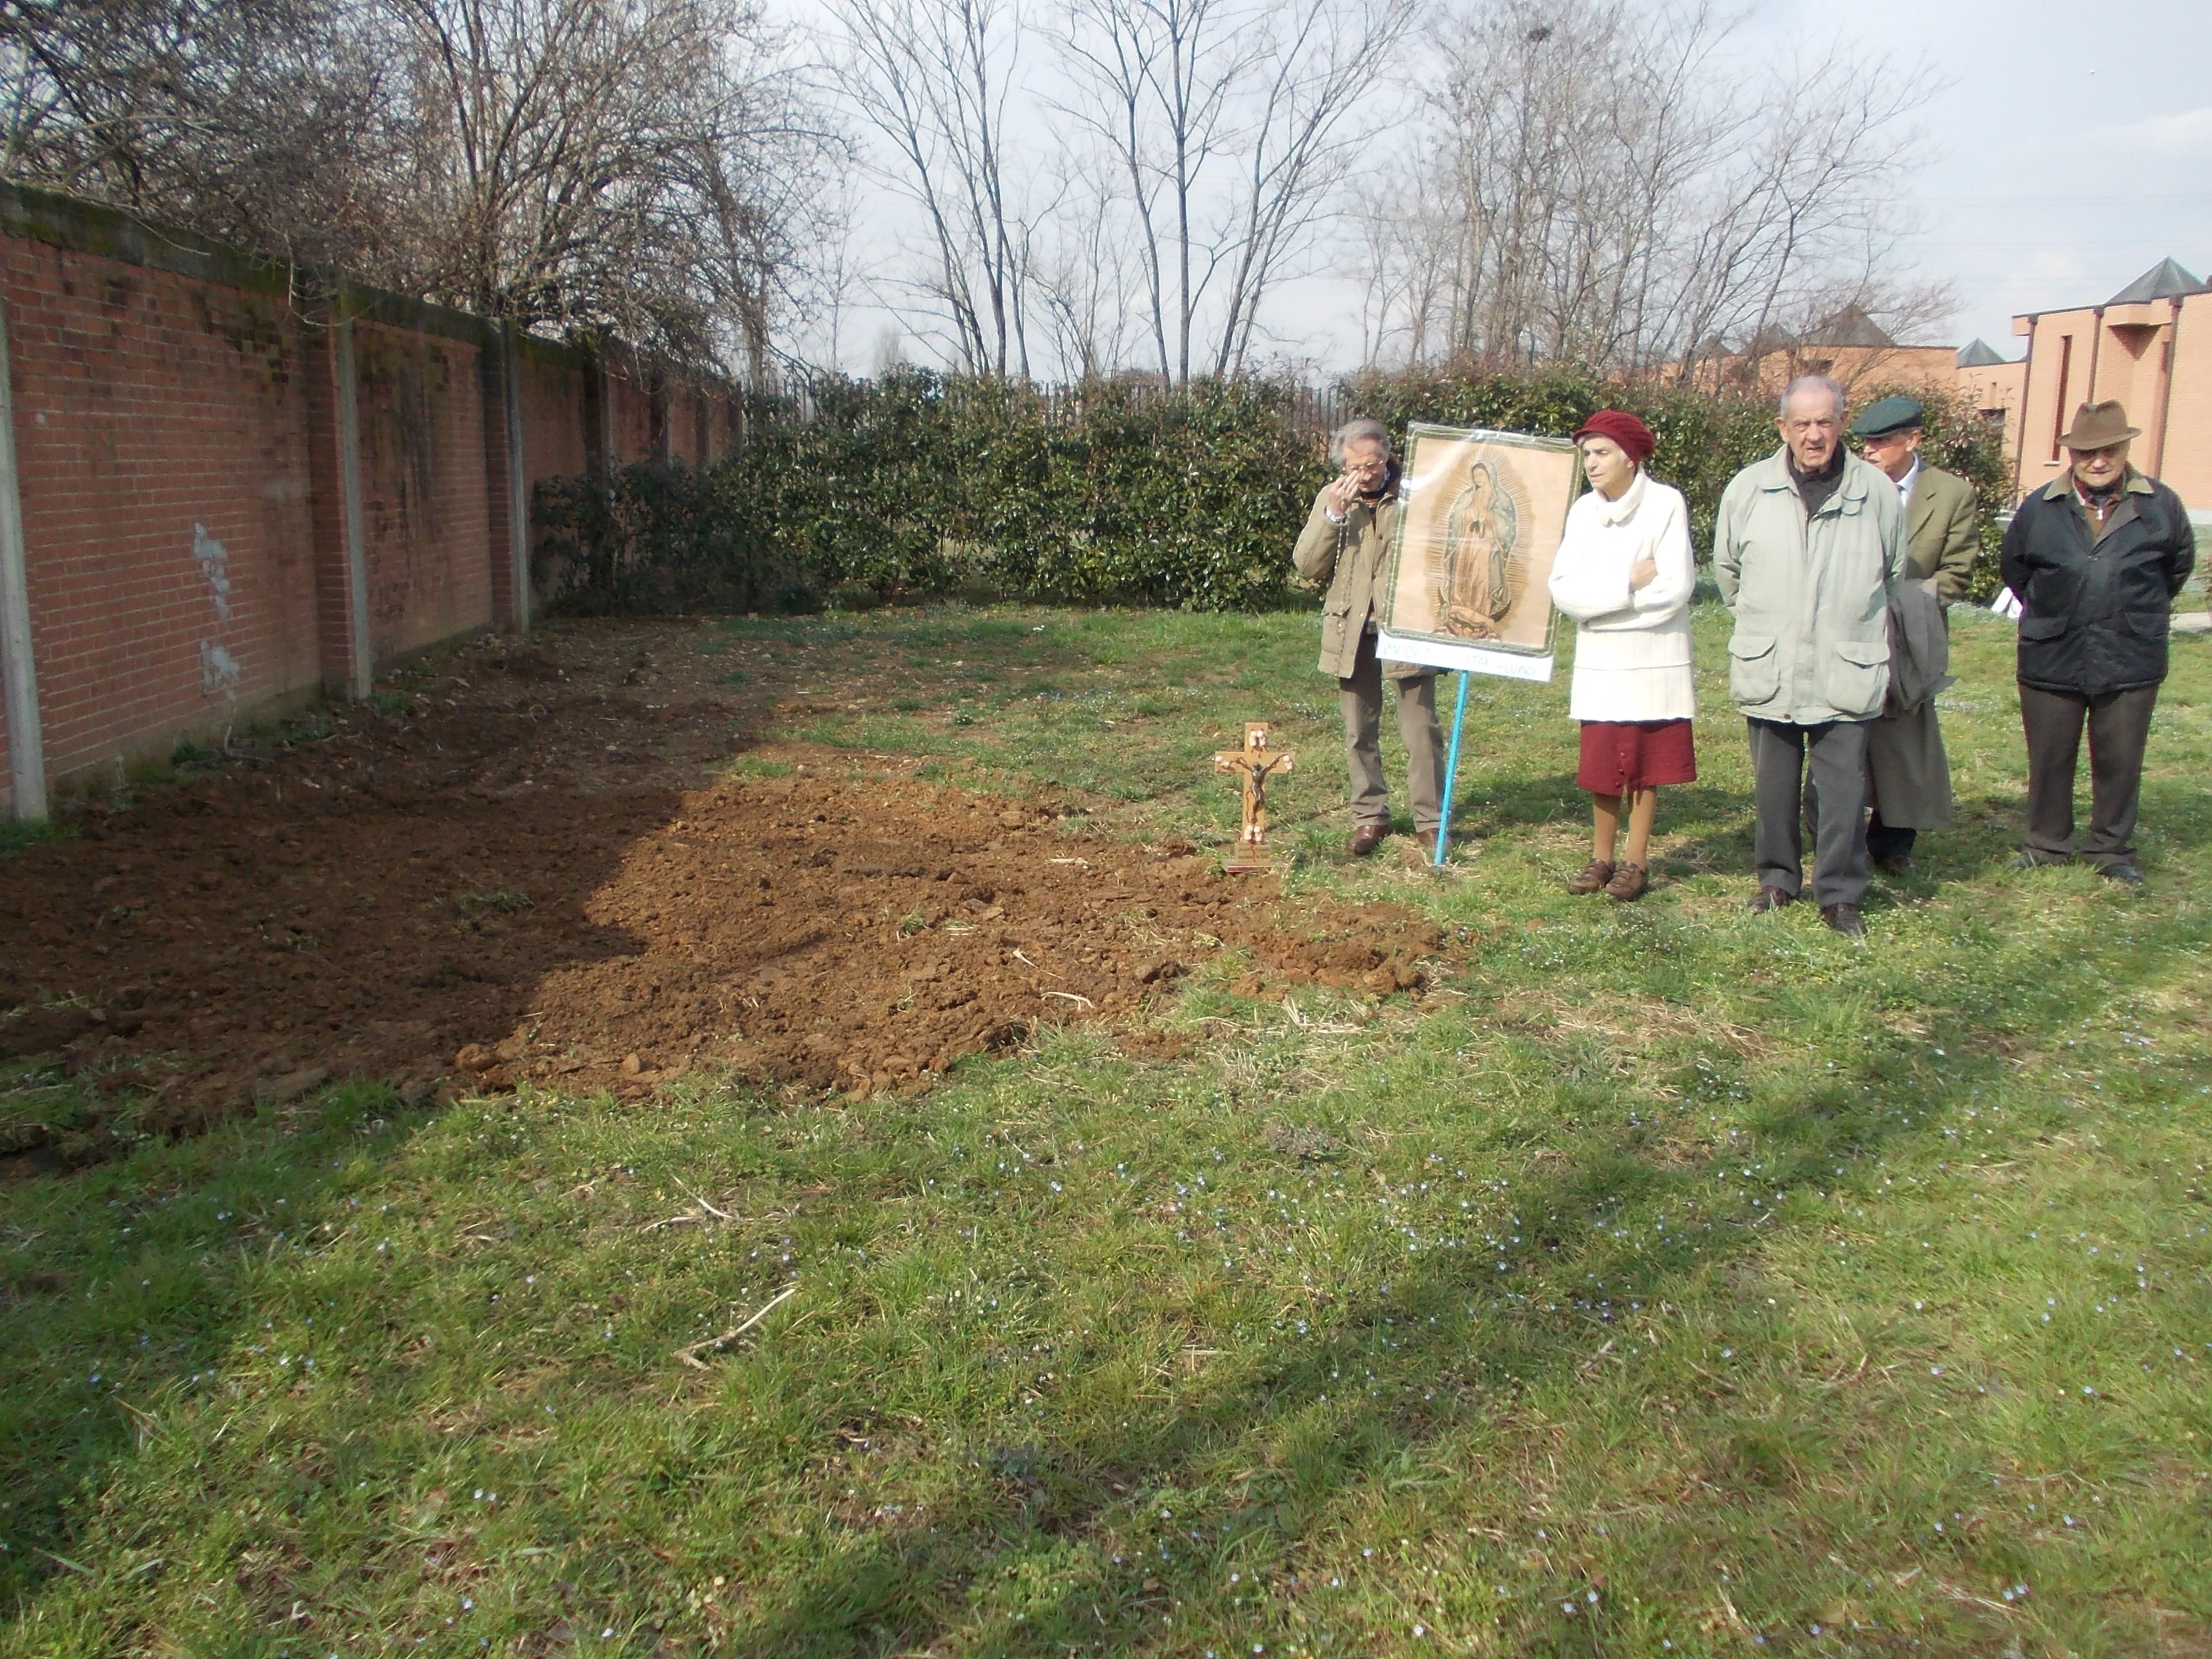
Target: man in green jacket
1345, 544
1911, 773
1806, 547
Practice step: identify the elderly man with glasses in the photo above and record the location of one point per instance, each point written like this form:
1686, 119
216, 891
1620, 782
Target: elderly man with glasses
1346, 545
1807, 546
2096, 557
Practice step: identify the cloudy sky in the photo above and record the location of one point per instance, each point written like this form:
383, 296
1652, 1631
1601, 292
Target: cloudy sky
2070, 150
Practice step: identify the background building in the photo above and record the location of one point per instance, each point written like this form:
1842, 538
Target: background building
1993, 386
2150, 345
1848, 347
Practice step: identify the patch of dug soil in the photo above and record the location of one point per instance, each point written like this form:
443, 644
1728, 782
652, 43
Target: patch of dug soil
853, 937
513, 879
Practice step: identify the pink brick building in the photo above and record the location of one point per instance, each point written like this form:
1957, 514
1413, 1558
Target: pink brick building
2150, 345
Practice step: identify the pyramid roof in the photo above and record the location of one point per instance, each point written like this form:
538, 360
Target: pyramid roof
1850, 326
2164, 281
1981, 354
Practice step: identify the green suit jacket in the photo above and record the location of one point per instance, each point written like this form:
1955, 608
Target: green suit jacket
1939, 527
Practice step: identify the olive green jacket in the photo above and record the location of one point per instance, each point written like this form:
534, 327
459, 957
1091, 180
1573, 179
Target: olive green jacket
1810, 594
1941, 538
1353, 558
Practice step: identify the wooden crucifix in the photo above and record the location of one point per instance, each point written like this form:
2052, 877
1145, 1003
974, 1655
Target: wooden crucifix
1255, 761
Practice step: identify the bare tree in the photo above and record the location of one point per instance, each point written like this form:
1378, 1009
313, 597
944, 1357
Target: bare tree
642, 167
259, 121
1809, 220
623, 165
1233, 126
1404, 255
934, 79
1087, 276
1609, 185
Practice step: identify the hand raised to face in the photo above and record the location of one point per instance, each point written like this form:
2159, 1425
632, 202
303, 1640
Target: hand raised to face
1366, 465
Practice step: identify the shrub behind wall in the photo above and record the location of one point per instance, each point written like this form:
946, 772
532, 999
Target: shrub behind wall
913, 484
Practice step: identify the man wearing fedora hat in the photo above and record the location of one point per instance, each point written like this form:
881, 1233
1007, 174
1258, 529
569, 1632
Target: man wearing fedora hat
1908, 772
2095, 557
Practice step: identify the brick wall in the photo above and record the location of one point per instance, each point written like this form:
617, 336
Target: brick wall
181, 459
162, 467
2186, 461
425, 495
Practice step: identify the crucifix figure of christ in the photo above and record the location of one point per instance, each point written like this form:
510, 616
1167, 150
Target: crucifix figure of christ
1255, 761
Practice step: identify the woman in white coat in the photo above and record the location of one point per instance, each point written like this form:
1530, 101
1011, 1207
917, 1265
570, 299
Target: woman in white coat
1625, 574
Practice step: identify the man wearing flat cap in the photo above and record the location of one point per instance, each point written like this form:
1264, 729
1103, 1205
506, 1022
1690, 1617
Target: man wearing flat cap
2095, 557
1909, 774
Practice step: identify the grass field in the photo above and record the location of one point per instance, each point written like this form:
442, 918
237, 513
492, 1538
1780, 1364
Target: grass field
1666, 1280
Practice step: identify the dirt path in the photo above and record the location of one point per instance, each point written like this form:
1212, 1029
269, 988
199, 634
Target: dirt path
544, 868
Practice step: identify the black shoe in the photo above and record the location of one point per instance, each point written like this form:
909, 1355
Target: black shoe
2122, 872
1845, 919
1771, 898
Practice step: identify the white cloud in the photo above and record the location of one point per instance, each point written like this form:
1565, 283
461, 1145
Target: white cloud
2181, 136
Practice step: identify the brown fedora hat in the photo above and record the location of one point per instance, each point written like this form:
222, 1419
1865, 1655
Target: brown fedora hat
2098, 426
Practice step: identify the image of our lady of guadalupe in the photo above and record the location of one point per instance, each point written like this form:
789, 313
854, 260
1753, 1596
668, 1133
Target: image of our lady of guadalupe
1483, 571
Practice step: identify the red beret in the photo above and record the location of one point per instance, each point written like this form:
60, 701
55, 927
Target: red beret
1633, 437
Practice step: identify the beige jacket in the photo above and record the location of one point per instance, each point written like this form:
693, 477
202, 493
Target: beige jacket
1353, 558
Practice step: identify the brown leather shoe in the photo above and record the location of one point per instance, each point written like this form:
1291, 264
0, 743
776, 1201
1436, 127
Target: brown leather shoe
1595, 875
1845, 919
1771, 898
1628, 883
1896, 863
1366, 838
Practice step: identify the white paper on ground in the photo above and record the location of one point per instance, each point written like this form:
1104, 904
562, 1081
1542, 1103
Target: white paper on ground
1466, 659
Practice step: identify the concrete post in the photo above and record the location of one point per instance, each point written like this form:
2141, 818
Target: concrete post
518, 481
26, 747
361, 670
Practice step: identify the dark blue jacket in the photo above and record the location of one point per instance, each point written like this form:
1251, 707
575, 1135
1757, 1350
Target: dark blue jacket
2096, 607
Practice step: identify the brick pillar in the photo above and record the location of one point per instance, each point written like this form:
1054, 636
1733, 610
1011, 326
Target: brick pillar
598, 420
657, 445
517, 480
27, 749
334, 473
506, 506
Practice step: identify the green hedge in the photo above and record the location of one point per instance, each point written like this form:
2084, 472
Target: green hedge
913, 484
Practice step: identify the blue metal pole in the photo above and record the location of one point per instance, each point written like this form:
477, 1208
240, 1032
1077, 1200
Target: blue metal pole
1452, 769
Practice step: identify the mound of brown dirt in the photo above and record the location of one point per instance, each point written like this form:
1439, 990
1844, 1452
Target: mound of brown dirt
511, 882
854, 937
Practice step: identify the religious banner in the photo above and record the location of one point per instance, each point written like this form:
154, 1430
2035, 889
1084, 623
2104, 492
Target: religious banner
1480, 520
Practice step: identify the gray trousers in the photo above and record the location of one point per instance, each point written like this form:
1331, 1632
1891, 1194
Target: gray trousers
2119, 731
1835, 756
1361, 699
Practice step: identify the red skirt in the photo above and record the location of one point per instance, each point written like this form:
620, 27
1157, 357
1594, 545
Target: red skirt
1620, 755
